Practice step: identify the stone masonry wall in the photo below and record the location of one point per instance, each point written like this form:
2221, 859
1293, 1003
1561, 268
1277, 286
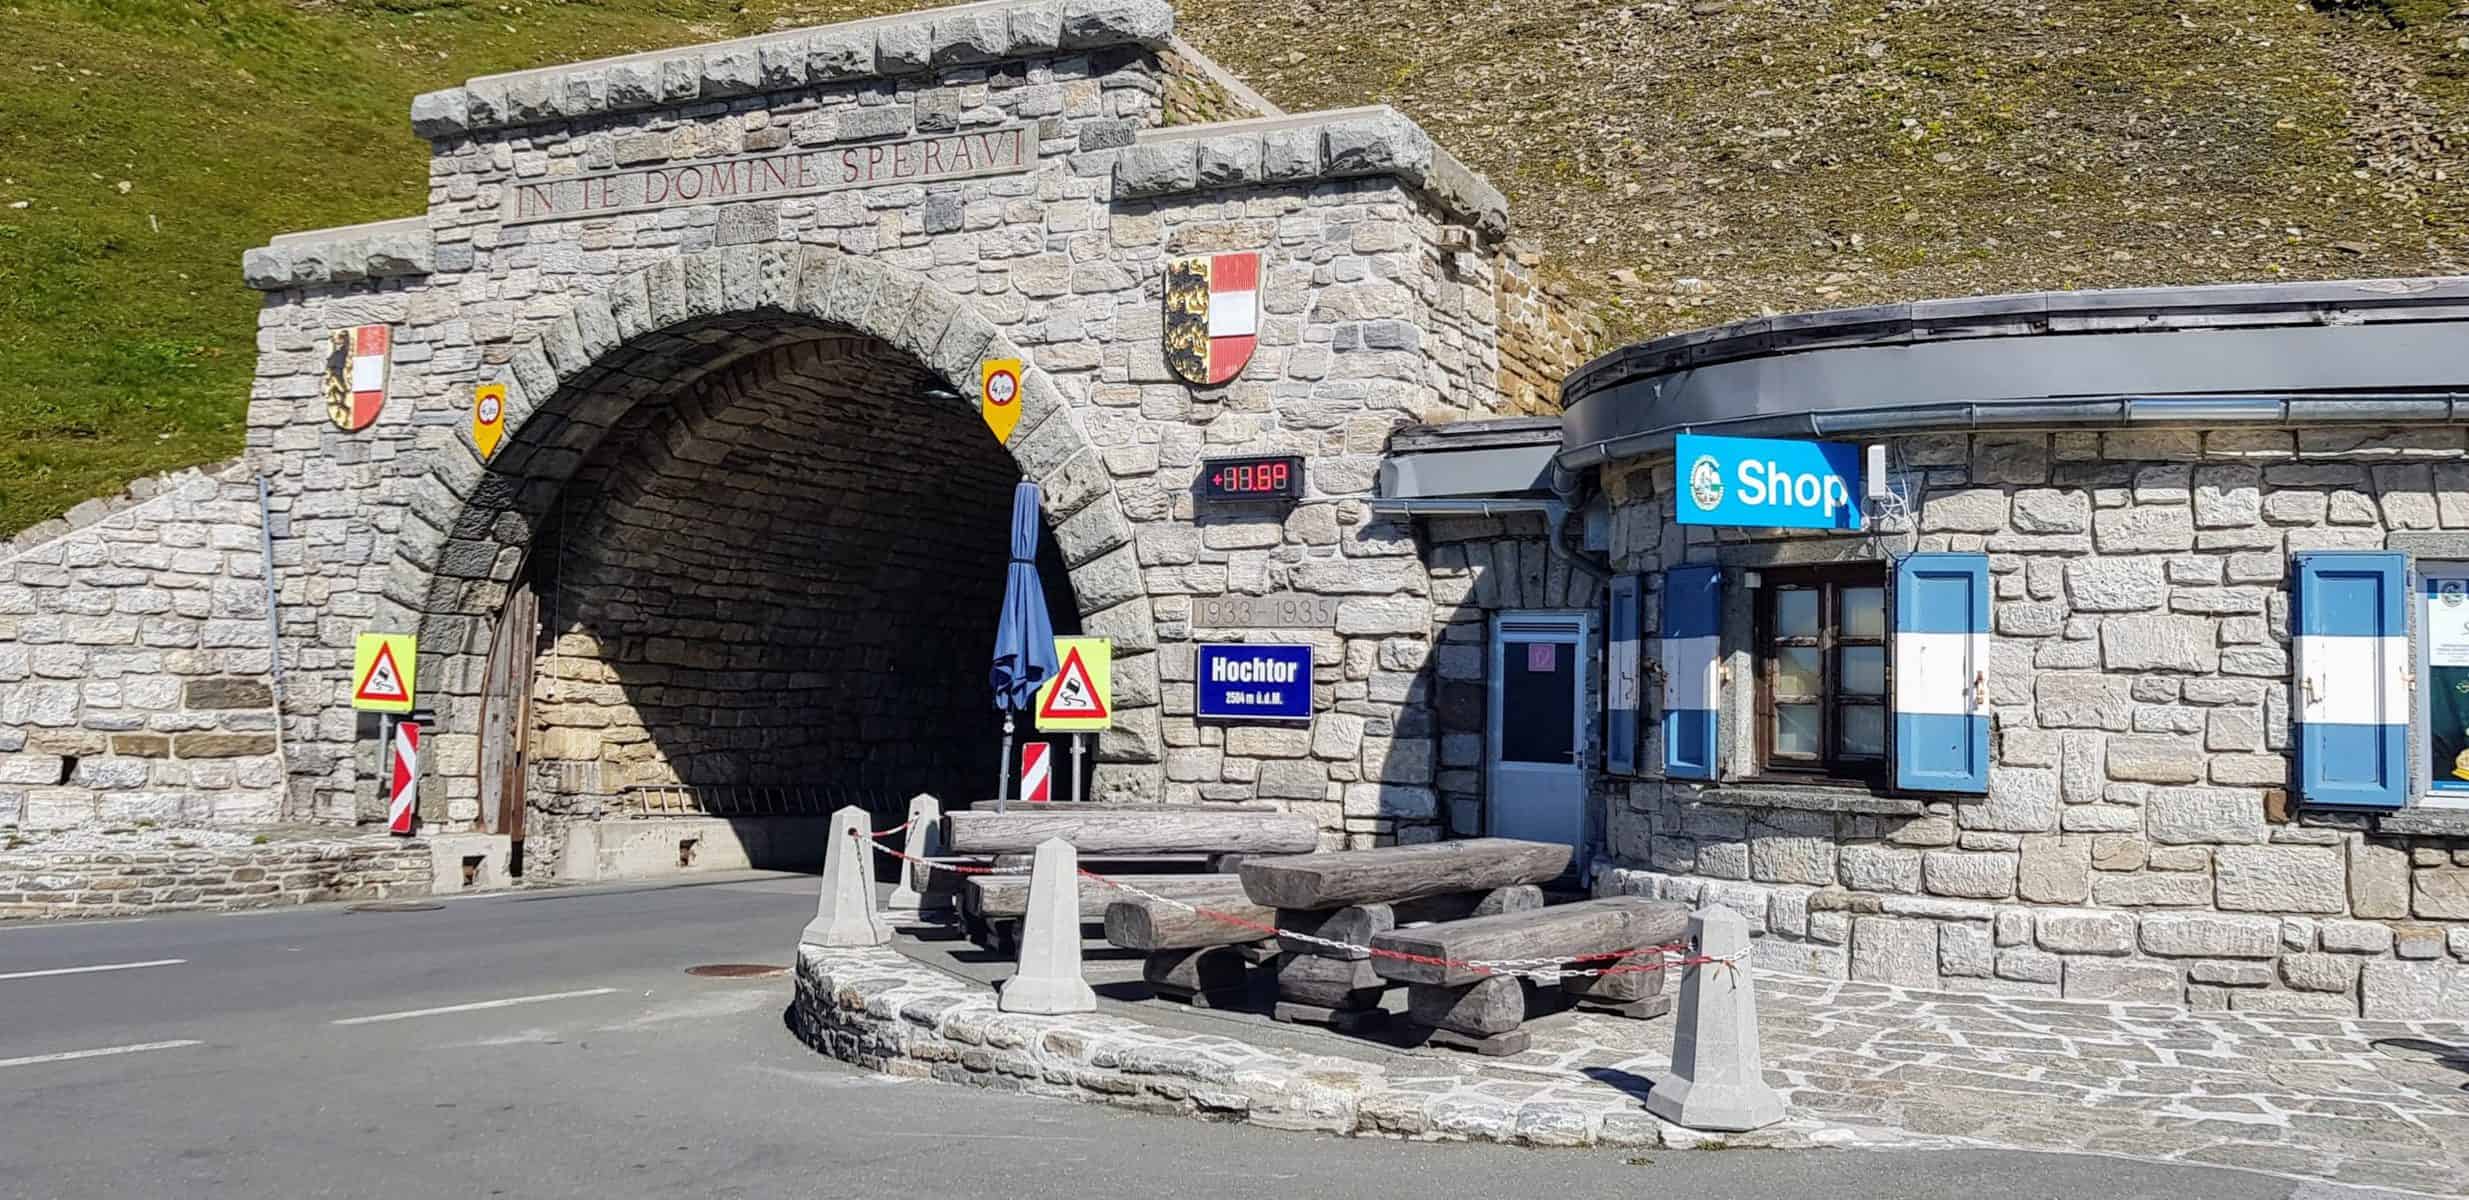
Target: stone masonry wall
766, 592
1063, 265
2137, 841
134, 678
48, 882
1545, 333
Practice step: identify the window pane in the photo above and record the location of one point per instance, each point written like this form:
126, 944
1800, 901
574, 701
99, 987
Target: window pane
1795, 612
1538, 702
1796, 673
1864, 670
1796, 733
1864, 612
1861, 731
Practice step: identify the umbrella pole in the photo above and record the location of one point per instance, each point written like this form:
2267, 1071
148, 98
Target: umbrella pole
1078, 741
1003, 768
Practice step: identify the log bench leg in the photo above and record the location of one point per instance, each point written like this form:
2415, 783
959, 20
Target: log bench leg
1497, 1045
1484, 1016
1327, 991
1203, 977
1344, 1020
1636, 994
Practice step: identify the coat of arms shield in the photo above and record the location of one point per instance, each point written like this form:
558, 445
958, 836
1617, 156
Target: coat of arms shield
357, 362
1212, 315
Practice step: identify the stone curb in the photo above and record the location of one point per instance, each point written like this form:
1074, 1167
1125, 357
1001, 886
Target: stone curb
145, 881
1351, 143
876, 1009
827, 54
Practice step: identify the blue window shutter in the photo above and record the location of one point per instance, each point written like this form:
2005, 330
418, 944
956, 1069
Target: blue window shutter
1692, 642
1941, 665
2353, 703
1621, 695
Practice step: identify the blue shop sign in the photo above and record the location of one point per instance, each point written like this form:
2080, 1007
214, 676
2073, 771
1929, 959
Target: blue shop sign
1766, 482
1255, 682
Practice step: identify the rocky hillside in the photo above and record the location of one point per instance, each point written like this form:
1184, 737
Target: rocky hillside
1682, 161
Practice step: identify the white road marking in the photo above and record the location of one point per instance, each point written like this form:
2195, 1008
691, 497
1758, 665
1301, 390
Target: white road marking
127, 966
474, 1007
103, 1052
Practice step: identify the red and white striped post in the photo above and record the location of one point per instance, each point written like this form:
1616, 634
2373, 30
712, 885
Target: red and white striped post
1036, 776
404, 776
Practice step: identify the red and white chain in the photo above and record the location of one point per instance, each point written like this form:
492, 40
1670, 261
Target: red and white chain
1665, 956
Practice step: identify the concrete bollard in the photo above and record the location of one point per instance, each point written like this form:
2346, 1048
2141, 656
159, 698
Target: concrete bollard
918, 890
1716, 1083
1049, 981
845, 916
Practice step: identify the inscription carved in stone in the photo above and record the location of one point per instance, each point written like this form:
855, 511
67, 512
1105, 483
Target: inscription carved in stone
770, 176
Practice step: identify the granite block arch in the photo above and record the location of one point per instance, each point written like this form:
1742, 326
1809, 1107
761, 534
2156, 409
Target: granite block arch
658, 334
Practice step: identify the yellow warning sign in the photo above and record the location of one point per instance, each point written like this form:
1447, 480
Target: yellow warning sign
1080, 697
999, 389
381, 672
488, 418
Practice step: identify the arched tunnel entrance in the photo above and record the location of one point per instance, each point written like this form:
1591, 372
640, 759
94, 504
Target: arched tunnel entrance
770, 588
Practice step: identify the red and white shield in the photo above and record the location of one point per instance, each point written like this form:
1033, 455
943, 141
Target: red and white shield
357, 362
1212, 315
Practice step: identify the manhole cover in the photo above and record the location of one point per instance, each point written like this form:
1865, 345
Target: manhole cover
736, 970
395, 906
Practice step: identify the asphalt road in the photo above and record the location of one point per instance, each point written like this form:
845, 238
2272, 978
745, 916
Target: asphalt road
549, 1043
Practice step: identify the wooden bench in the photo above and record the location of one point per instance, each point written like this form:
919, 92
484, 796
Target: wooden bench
1484, 1012
991, 906
1350, 896
1194, 957
1113, 838
1099, 832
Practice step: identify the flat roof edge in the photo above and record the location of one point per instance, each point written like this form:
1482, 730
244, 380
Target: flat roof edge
2024, 314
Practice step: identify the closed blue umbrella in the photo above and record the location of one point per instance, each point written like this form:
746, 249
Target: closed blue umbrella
1024, 638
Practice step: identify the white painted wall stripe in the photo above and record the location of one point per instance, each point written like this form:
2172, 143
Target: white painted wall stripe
1934, 673
509, 1002
1689, 672
2353, 680
126, 966
100, 1052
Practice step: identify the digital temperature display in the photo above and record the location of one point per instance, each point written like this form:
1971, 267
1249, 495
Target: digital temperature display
1275, 478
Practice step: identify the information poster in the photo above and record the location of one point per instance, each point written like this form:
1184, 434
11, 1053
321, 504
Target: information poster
2445, 620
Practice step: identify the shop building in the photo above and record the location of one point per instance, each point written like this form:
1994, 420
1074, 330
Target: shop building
2102, 645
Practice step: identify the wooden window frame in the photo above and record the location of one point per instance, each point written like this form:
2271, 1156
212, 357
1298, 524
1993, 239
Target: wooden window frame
1830, 767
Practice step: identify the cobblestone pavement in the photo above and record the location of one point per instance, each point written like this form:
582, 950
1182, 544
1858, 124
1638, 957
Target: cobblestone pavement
2362, 1102
2373, 1103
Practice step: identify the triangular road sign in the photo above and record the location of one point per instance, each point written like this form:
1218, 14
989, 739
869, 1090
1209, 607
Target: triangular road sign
382, 672
383, 683
1074, 694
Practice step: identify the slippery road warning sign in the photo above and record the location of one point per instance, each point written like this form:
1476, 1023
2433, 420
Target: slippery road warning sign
1080, 697
382, 666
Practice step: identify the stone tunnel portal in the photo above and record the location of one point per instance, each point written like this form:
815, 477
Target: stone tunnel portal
776, 585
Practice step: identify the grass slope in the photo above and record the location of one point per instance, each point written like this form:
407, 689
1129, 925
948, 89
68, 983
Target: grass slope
1685, 161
